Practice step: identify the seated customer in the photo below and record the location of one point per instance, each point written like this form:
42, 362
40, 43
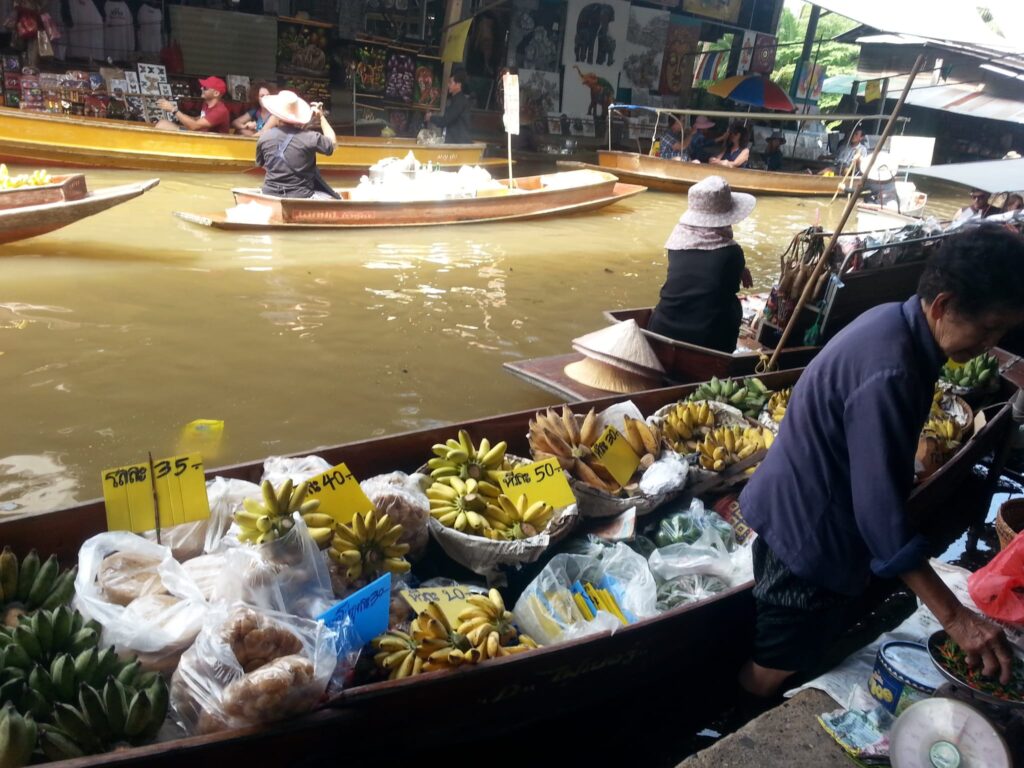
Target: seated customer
698, 301
214, 117
288, 150
253, 121
672, 141
736, 152
773, 151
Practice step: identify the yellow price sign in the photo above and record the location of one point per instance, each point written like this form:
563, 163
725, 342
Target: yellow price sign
339, 494
612, 449
452, 600
177, 483
539, 481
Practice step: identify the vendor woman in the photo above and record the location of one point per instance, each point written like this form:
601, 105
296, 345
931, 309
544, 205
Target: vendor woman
698, 302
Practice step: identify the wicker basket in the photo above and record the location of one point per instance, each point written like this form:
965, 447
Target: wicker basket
1009, 521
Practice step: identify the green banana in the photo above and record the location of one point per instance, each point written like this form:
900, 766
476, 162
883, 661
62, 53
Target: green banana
27, 575
115, 705
139, 712
74, 724
63, 590
92, 708
28, 642
43, 584
41, 625
62, 672
57, 745
8, 575
17, 738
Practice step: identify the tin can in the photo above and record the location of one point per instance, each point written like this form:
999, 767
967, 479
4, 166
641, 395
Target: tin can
903, 674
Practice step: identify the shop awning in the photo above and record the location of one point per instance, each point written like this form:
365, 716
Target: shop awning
988, 175
962, 99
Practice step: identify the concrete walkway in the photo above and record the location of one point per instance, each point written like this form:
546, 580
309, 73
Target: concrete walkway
788, 736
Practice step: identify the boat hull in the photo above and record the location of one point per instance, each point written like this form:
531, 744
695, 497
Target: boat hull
701, 644
33, 220
80, 142
675, 176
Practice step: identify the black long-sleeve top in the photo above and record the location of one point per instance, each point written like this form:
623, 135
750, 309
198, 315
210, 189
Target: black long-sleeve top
455, 119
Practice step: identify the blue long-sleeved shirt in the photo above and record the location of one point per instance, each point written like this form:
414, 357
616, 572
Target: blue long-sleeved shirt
830, 496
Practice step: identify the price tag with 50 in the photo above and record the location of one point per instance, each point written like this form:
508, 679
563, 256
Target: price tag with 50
339, 494
539, 481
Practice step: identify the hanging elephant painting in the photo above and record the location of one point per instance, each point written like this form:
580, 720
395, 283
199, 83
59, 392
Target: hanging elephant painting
595, 42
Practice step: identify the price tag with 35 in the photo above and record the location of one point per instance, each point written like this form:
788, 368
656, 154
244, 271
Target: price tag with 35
539, 481
612, 449
180, 486
339, 493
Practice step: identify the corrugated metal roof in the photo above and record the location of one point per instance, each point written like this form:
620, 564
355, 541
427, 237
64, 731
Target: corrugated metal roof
962, 99
988, 175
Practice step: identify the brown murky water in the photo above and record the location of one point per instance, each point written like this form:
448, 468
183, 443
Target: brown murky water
119, 330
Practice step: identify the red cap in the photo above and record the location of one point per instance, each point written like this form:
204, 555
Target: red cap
216, 83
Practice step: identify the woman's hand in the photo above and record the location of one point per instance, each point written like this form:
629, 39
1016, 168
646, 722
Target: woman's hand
746, 280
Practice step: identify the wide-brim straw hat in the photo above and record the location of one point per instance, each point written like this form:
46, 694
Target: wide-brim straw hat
702, 122
288, 107
622, 345
601, 375
712, 203
776, 136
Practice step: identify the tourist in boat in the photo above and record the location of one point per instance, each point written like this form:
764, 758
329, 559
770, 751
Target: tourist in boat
287, 151
455, 120
979, 208
829, 500
1013, 202
698, 146
773, 151
253, 121
671, 141
852, 155
698, 301
736, 152
214, 117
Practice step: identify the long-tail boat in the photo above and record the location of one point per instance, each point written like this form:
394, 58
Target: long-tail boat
702, 644
38, 139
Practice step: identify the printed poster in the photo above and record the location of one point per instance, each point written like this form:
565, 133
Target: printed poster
722, 10
535, 34
538, 94
746, 52
765, 47
594, 60
646, 36
680, 57
810, 81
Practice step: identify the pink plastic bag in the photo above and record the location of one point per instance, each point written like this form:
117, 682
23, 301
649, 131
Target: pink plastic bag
998, 588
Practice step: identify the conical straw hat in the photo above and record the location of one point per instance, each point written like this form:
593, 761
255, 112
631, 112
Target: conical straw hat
601, 375
622, 345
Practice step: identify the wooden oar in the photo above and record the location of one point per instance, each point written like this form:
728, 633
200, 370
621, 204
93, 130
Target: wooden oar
812, 281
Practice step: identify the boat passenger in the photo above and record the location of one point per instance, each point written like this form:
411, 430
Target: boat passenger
455, 120
979, 208
672, 141
736, 151
773, 151
828, 501
698, 146
214, 117
253, 121
852, 155
1014, 202
287, 151
698, 302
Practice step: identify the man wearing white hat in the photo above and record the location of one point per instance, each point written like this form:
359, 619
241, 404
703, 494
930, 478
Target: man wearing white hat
287, 152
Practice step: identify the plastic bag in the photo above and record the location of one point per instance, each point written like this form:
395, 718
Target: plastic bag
277, 469
400, 497
687, 526
226, 496
141, 595
288, 575
249, 666
691, 588
998, 588
708, 555
545, 610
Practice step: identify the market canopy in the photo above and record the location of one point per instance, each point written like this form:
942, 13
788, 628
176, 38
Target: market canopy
842, 84
987, 175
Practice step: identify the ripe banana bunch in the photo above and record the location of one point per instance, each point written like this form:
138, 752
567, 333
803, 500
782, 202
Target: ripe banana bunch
725, 446
559, 436
778, 403
749, 396
31, 584
18, 735
270, 519
507, 519
489, 627
396, 654
461, 504
644, 439
460, 458
36, 179
978, 372
946, 431
686, 425
368, 546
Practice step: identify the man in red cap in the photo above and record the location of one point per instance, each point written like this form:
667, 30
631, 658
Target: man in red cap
214, 117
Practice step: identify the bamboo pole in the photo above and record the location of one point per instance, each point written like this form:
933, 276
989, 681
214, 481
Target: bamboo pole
812, 281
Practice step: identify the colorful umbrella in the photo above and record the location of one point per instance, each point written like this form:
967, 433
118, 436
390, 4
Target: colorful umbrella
756, 90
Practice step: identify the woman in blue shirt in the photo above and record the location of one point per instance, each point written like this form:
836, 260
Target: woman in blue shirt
252, 122
736, 151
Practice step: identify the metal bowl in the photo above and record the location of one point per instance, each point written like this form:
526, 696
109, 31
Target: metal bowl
935, 642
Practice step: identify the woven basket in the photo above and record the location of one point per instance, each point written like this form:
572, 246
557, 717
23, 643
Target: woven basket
1009, 521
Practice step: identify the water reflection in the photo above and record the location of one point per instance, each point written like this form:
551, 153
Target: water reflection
29, 483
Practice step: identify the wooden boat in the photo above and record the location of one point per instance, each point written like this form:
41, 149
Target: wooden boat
675, 176
31, 219
533, 197
700, 644
37, 139
60, 188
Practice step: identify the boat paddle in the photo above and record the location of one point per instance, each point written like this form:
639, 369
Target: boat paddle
851, 202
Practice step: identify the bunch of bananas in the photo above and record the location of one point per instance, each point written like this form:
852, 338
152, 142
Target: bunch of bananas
460, 458
977, 373
369, 546
749, 397
460, 504
32, 583
490, 629
778, 403
946, 431
87, 699
725, 446
512, 520
18, 735
686, 425
644, 439
271, 518
559, 436
35, 179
